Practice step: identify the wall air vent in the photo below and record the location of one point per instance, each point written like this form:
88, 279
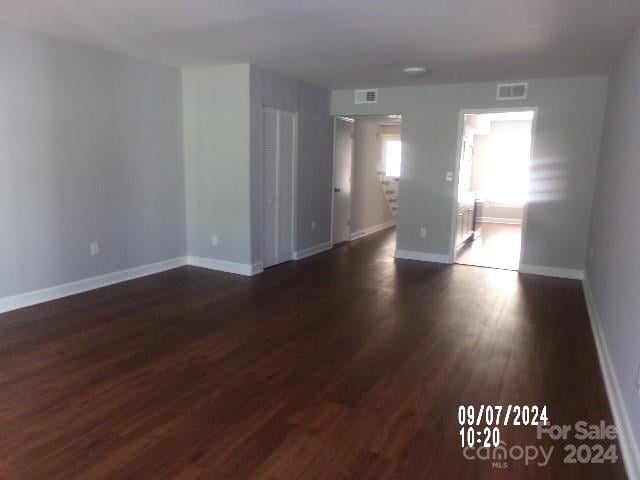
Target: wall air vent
512, 91
366, 96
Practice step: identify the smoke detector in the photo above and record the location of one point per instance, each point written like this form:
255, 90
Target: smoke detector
416, 71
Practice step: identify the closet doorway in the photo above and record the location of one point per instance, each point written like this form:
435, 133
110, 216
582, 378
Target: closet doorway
278, 185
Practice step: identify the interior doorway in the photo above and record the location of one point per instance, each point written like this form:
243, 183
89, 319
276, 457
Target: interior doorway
278, 177
367, 173
493, 187
342, 165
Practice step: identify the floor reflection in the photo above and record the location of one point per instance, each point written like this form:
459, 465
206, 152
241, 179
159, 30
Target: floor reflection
498, 246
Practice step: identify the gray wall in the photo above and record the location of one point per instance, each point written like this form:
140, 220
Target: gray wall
223, 156
565, 152
217, 159
614, 268
315, 154
369, 207
90, 150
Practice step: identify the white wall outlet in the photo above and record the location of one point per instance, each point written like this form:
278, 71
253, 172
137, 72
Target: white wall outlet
94, 248
313, 225
214, 240
423, 232
449, 177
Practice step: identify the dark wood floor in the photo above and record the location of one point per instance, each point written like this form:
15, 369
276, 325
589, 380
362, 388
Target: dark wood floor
346, 365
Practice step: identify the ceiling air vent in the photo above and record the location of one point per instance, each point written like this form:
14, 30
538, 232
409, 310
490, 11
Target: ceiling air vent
512, 91
366, 96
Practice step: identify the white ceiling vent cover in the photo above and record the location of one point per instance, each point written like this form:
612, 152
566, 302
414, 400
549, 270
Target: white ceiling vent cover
512, 91
366, 96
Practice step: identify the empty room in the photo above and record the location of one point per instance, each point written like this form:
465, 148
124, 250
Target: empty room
311, 240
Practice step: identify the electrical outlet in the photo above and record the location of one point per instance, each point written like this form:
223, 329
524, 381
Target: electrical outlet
449, 177
313, 225
94, 248
423, 232
214, 240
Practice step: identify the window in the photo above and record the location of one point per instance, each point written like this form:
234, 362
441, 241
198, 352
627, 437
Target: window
509, 167
392, 152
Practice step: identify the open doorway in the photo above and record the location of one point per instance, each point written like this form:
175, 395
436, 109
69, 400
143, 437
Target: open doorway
367, 164
493, 186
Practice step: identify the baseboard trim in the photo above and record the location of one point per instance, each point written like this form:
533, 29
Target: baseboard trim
309, 251
504, 221
422, 256
376, 228
570, 273
246, 269
35, 297
628, 446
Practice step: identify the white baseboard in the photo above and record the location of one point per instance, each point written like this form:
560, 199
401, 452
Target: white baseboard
422, 256
628, 446
368, 231
570, 273
307, 252
60, 291
504, 221
225, 266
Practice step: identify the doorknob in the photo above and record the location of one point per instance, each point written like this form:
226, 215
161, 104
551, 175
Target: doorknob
337, 190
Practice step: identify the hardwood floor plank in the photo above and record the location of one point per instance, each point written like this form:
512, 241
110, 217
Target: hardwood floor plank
345, 365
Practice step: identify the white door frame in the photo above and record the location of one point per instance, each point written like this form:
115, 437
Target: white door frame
294, 186
333, 181
333, 176
294, 181
456, 175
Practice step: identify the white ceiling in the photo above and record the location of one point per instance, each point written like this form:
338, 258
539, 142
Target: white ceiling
350, 43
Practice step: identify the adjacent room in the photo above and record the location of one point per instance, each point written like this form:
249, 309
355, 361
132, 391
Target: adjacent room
311, 240
367, 163
493, 188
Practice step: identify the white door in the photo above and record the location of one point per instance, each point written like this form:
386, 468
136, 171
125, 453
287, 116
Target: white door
278, 143
342, 162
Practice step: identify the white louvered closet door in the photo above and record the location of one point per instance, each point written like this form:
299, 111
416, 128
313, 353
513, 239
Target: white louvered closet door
279, 130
